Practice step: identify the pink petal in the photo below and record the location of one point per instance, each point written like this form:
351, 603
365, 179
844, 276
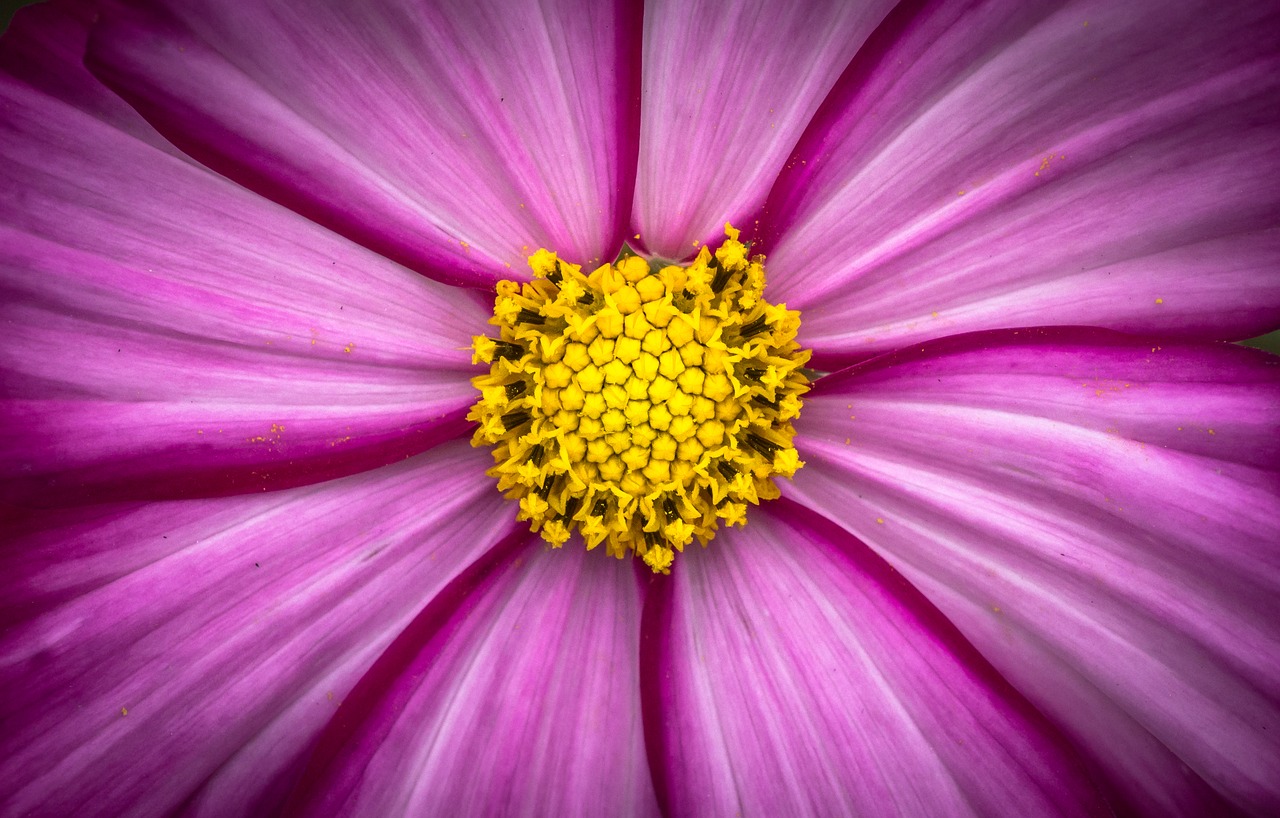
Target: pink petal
189, 652
1099, 515
1025, 164
515, 692
728, 89
44, 48
169, 333
454, 138
795, 673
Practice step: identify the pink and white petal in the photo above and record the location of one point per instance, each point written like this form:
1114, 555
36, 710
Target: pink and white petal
1098, 514
454, 138
791, 671
189, 652
515, 692
169, 333
44, 49
1001, 164
728, 88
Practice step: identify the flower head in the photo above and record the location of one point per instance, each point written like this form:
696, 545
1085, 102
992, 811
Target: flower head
642, 404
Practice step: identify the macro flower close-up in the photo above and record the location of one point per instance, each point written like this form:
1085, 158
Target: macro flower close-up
680, 407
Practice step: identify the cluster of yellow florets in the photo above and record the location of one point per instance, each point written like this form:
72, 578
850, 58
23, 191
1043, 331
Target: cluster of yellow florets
641, 404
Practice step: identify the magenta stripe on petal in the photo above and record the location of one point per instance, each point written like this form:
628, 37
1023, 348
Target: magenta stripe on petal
455, 138
169, 333
1029, 163
516, 692
793, 672
189, 652
1100, 515
728, 88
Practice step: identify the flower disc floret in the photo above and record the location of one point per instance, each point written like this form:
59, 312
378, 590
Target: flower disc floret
642, 404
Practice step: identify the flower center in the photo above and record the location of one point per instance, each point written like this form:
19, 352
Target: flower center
641, 404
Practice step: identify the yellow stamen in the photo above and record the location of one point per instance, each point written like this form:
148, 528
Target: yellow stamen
640, 404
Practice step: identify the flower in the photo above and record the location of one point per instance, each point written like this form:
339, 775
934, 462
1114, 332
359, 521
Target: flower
252, 565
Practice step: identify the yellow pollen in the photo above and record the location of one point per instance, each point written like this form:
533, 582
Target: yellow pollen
641, 404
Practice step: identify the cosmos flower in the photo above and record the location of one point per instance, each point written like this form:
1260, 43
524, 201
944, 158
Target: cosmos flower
252, 564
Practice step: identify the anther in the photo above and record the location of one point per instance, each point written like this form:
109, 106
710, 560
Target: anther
761, 445
727, 470
721, 277
761, 400
600, 507
669, 508
544, 490
515, 389
529, 317
511, 420
571, 507
536, 454
752, 373
503, 349
555, 276
755, 327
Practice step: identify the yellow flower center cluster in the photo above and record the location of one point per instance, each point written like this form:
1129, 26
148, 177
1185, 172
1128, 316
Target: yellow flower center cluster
641, 404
